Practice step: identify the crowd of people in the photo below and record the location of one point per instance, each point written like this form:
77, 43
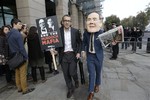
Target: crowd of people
132, 36
18, 38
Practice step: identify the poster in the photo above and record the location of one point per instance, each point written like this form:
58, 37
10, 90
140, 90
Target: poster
116, 34
49, 33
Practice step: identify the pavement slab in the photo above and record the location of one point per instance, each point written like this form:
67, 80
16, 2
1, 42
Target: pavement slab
126, 78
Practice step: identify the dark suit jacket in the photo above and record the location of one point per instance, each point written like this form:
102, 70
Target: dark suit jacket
75, 42
97, 44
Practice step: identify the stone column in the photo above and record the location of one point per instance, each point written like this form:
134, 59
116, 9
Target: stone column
30, 10
74, 16
81, 22
61, 9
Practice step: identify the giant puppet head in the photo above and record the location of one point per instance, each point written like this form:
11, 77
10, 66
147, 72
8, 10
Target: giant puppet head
93, 22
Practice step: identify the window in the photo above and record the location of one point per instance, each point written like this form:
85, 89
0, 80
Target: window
7, 11
1, 20
50, 8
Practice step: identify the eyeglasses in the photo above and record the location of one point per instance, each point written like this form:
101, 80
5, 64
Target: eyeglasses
66, 20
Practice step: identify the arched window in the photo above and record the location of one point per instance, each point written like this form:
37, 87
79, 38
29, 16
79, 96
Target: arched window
7, 11
69, 8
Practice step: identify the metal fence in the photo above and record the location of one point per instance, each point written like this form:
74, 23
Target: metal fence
133, 45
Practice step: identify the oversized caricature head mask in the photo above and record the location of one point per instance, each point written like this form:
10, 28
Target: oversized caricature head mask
93, 22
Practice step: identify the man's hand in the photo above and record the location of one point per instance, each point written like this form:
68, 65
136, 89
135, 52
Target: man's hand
83, 54
53, 51
78, 55
114, 42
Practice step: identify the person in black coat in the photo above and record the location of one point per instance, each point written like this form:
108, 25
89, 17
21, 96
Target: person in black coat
36, 55
139, 37
134, 38
4, 49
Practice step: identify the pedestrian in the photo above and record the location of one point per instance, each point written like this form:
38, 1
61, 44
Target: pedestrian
15, 42
5, 51
36, 55
133, 40
24, 33
139, 37
93, 52
115, 45
69, 53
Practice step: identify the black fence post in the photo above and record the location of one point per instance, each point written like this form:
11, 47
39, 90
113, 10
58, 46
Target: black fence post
148, 45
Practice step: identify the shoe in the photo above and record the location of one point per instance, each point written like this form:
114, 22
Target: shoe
28, 91
90, 96
43, 81
112, 58
10, 86
76, 84
19, 90
56, 72
35, 82
69, 94
49, 72
96, 88
29, 78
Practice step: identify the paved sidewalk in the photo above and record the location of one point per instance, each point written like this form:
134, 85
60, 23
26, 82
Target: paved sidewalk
126, 78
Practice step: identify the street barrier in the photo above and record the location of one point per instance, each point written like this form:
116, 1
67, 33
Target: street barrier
133, 45
148, 45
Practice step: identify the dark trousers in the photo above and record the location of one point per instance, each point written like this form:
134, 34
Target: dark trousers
50, 66
69, 67
139, 43
6, 70
134, 44
34, 74
124, 44
1, 70
8, 74
115, 50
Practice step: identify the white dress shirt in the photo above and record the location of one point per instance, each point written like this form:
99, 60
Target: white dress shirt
67, 36
90, 44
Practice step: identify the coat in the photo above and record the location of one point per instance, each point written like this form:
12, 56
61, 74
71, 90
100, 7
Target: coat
35, 52
4, 51
75, 42
97, 44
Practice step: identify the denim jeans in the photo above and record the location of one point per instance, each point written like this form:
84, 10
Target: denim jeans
94, 69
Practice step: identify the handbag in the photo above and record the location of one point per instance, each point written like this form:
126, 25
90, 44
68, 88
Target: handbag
16, 61
3, 59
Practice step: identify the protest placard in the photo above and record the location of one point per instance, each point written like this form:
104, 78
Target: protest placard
49, 33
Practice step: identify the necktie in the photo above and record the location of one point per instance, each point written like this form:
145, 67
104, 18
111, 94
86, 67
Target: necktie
91, 42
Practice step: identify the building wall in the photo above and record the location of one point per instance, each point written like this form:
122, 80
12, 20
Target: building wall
29, 10
74, 16
81, 21
61, 9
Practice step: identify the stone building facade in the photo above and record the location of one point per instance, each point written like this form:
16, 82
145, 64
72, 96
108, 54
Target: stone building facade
30, 10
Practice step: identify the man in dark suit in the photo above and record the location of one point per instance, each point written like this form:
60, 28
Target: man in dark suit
69, 53
92, 48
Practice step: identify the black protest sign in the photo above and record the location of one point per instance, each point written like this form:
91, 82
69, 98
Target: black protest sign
49, 33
